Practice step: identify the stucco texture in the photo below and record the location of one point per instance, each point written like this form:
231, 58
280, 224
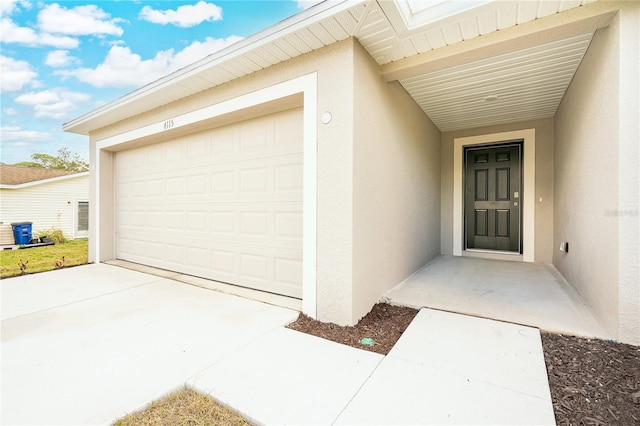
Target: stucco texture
590, 177
396, 185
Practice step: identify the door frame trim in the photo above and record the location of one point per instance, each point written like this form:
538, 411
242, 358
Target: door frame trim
528, 136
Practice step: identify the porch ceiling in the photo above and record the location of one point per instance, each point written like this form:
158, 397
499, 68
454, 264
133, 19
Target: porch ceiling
397, 34
522, 85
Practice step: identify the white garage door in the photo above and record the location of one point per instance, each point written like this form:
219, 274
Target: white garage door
223, 204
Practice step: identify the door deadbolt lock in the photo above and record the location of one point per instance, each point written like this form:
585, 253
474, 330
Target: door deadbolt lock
516, 194
515, 204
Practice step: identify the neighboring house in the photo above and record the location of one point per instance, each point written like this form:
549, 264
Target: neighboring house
329, 157
47, 198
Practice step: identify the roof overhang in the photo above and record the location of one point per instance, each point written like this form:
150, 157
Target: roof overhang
406, 42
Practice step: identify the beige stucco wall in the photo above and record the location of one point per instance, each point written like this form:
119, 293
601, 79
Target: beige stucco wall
544, 183
594, 166
396, 185
629, 169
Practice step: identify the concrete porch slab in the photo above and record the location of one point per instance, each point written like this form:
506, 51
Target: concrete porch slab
531, 294
454, 369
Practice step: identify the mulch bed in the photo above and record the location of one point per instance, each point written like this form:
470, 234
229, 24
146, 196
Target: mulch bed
384, 324
592, 382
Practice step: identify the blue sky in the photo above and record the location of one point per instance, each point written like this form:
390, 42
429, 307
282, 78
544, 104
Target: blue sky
62, 59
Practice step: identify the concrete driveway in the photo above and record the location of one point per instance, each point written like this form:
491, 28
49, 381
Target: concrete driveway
87, 345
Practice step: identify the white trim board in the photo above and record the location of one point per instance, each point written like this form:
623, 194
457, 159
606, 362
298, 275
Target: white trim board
307, 85
529, 187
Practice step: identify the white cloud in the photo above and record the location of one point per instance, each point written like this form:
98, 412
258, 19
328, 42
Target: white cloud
123, 68
10, 112
18, 144
306, 4
17, 136
198, 50
78, 21
11, 33
59, 59
54, 103
7, 7
183, 16
15, 74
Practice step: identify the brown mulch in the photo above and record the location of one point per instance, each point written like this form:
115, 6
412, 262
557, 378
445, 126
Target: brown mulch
592, 382
384, 324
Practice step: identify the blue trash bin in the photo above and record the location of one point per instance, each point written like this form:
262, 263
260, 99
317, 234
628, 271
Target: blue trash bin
21, 232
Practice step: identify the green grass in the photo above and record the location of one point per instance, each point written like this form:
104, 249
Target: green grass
182, 408
42, 259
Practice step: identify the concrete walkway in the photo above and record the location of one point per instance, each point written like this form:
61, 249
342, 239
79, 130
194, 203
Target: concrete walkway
86, 345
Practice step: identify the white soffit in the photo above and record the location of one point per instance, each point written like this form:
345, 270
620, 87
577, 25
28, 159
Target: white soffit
378, 25
420, 28
523, 85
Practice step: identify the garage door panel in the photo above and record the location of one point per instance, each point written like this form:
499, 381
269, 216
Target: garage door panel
254, 224
198, 259
155, 156
254, 180
224, 262
223, 182
251, 224
288, 272
174, 186
156, 251
255, 140
224, 204
155, 220
174, 257
223, 223
197, 185
198, 147
288, 177
288, 226
272, 177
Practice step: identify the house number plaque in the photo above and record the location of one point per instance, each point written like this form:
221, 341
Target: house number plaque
168, 124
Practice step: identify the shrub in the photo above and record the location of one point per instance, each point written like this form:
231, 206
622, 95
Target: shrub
54, 234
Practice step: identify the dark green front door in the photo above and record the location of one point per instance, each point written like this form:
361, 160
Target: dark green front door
493, 197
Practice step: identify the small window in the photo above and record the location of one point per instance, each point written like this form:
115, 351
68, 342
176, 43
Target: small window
83, 216
82, 220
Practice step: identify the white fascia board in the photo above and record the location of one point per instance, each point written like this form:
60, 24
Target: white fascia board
84, 125
43, 181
